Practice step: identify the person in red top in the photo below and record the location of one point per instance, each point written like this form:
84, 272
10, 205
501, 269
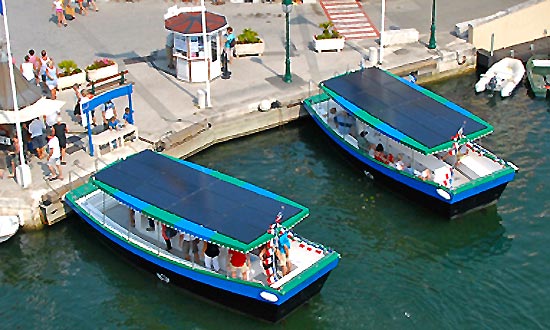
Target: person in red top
238, 261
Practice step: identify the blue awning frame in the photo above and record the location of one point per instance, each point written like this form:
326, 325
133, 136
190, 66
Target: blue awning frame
98, 100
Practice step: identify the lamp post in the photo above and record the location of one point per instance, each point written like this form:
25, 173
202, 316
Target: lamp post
432, 44
287, 8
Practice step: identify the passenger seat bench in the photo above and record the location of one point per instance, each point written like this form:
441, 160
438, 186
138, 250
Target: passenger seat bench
110, 136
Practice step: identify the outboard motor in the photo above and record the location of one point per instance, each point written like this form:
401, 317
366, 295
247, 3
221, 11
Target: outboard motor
492, 84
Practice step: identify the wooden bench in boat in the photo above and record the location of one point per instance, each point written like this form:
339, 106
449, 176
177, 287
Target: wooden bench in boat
110, 136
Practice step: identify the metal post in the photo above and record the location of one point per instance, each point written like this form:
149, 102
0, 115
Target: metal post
432, 43
288, 77
24, 181
381, 57
492, 44
207, 57
287, 8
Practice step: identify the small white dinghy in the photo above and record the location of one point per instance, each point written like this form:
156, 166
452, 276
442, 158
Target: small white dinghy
9, 224
502, 76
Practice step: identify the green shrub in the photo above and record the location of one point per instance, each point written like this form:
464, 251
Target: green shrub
328, 31
68, 67
248, 36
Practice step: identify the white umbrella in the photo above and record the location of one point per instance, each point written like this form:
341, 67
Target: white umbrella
38, 109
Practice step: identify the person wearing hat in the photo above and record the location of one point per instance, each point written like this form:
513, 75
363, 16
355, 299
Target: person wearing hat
60, 131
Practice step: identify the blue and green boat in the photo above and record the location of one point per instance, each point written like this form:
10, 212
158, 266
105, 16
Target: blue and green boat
411, 139
132, 203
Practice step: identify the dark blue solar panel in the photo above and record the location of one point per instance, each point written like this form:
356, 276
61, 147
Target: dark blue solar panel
402, 107
194, 195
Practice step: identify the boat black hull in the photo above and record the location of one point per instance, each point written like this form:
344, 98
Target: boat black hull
249, 306
447, 210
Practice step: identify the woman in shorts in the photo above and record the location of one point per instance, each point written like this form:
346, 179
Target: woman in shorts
58, 7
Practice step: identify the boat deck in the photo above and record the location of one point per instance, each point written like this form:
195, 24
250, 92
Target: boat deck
116, 217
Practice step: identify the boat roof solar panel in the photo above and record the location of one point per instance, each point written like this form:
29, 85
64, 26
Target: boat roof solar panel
407, 108
229, 207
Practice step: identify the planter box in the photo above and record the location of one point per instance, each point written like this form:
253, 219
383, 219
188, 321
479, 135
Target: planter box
101, 73
69, 81
250, 49
329, 44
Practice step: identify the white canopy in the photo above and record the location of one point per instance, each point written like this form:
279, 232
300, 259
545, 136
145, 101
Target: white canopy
38, 109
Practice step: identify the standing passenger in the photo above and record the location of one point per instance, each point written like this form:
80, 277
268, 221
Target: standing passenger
238, 261
283, 252
211, 253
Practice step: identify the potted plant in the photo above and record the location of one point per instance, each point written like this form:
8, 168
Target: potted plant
329, 39
101, 68
249, 43
69, 74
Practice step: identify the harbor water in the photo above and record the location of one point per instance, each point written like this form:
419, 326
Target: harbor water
402, 266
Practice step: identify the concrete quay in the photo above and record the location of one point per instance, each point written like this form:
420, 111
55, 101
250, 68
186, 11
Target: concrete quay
132, 34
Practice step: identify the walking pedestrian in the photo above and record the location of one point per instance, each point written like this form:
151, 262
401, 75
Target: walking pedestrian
81, 8
92, 2
58, 7
27, 69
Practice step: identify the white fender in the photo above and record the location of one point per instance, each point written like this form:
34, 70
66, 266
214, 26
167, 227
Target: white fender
269, 296
443, 194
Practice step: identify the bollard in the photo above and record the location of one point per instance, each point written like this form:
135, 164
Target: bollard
373, 55
201, 98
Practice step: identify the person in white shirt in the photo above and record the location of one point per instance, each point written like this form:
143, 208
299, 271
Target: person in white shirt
51, 118
54, 157
86, 96
27, 69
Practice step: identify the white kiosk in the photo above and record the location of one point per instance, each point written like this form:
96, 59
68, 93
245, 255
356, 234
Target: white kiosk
193, 62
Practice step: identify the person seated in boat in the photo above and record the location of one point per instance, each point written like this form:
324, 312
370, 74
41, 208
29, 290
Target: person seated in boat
362, 141
238, 262
344, 122
283, 252
425, 175
410, 170
379, 153
331, 113
399, 163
